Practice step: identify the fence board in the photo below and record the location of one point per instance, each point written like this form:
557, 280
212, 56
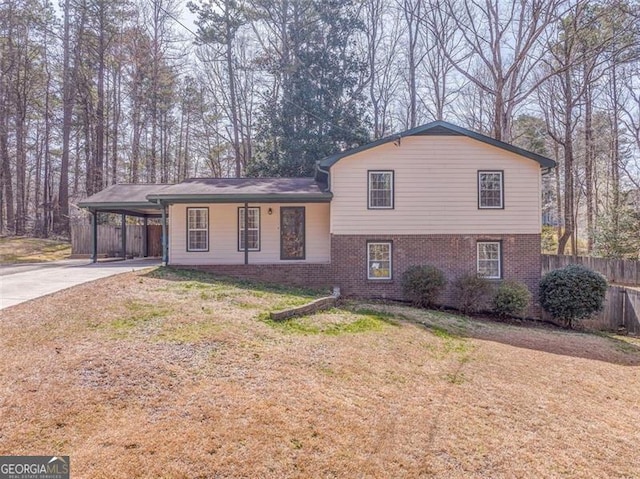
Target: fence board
617, 271
110, 240
632, 311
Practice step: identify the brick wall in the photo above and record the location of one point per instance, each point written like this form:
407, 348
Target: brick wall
293, 274
455, 255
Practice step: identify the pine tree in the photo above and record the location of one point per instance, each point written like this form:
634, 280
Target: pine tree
318, 108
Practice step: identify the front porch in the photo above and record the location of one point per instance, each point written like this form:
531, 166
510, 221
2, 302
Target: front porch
225, 221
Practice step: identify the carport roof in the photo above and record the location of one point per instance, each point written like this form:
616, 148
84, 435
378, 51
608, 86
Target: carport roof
125, 198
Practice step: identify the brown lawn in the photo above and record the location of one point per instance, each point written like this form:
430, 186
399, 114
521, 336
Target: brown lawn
21, 249
166, 375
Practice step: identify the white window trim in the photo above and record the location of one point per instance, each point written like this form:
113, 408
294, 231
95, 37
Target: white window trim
205, 229
375, 278
241, 230
393, 180
499, 258
493, 172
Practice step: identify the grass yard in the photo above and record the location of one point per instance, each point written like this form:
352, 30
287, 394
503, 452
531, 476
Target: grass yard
22, 249
167, 374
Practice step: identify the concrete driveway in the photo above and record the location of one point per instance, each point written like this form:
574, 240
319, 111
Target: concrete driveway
20, 283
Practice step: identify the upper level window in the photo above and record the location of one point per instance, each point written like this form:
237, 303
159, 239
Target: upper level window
253, 230
379, 260
490, 189
381, 189
490, 259
197, 229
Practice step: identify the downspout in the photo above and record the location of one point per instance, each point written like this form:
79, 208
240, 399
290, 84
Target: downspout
326, 172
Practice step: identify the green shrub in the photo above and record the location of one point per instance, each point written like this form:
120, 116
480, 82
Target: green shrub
472, 293
422, 285
512, 298
572, 293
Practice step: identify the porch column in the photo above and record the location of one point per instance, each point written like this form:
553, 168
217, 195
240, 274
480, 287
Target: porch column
145, 239
165, 252
124, 236
246, 233
94, 236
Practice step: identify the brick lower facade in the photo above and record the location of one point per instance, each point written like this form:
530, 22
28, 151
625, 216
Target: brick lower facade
307, 275
455, 255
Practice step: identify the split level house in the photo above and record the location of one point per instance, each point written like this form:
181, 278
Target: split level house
437, 194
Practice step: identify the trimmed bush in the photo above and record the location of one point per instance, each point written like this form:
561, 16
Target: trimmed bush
472, 293
422, 285
572, 293
512, 298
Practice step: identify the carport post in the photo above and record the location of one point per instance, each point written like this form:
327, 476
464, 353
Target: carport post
246, 233
94, 236
165, 255
145, 238
124, 236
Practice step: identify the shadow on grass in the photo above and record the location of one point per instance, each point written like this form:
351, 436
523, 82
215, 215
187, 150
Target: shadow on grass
192, 275
533, 335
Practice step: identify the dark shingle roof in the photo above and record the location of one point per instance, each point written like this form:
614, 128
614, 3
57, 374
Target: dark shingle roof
124, 198
440, 128
144, 198
123, 193
243, 189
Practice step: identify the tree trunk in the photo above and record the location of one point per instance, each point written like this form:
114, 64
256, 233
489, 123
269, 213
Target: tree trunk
232, 93
98, 172
589, 162
61, 219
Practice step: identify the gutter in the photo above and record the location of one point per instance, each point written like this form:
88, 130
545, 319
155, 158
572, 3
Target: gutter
268, 198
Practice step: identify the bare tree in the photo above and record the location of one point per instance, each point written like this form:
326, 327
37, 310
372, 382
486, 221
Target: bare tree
381, 37
503, 45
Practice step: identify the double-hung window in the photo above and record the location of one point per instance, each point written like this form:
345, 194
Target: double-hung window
197, 229
252, 230
489, 259
379, 260
490, 190
380, 190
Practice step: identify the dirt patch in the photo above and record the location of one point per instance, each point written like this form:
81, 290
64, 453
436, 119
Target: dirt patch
158, 375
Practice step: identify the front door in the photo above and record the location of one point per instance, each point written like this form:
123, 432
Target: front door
292, 234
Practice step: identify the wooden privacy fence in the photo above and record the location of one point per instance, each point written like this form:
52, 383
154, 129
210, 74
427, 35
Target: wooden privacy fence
622, 304
621, 310
110, 240
619, 271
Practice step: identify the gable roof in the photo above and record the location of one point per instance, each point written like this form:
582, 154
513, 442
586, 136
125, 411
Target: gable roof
223, 190
439, 128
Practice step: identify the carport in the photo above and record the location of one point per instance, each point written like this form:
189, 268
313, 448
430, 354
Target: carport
127, 200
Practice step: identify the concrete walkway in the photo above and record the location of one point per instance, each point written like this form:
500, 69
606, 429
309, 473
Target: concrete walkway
20, 283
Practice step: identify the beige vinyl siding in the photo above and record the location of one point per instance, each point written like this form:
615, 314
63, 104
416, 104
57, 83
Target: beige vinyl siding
223, 235
436, 189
